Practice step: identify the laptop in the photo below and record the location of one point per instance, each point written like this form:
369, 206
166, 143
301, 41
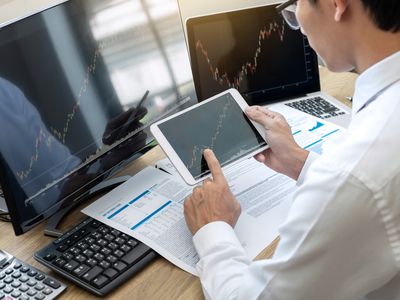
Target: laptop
256, 52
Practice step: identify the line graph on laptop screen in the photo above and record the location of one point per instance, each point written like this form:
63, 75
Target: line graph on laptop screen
252, 50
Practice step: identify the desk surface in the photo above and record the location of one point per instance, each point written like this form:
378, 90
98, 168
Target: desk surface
161, 279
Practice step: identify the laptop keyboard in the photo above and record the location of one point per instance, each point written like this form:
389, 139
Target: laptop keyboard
317, 107
96, 256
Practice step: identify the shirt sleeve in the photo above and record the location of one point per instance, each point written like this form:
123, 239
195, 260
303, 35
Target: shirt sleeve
333, 246
312, 156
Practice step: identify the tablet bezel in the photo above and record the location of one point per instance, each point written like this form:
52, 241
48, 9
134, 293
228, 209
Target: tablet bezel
174, 157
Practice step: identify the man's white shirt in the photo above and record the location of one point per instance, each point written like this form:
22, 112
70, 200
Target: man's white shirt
341, 239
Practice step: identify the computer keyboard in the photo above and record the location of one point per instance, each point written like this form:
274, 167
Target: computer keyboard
96, 256
19, 280
317, 107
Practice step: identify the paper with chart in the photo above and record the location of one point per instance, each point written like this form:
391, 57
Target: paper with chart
310, 133
149, 206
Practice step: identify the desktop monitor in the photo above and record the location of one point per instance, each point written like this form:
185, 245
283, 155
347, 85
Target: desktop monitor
71, 77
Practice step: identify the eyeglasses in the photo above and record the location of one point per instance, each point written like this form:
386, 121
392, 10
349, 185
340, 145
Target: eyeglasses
288, 11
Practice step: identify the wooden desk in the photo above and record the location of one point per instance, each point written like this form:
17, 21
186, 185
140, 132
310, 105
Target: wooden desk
161, 279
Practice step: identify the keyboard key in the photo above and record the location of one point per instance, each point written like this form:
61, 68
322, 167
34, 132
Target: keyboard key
95, 247
2, 295
110, 273
50, 257
40, 297
9, 271
15, 294
132, 243
109, 237
17, 265
125, 248
81, 270
31, 293
24, 288
52, 283
16, 275
119, 253
80, 258
39, 287
113, 246
8, 280
120, 241
115, 232
47, 291
88, 253
98, 256
120, 266
91, 262
24, 269
40, 277
59, 262
94, 272
71, 265
23, 297
95, 224
62, 248
24, 278
135, 254
100, 281
111, 258
8, 290
106, 251
68, 256
32, 273
16, 284
104, 264
2, 285
31, 282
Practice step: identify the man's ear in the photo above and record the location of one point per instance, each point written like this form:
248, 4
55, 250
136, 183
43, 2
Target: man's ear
340, 8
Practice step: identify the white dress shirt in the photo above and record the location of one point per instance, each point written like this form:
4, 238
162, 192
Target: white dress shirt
341, 239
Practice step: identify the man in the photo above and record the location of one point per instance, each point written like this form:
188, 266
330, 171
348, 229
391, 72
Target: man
342, 236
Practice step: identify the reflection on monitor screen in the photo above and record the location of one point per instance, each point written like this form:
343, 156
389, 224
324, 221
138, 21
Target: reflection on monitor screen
70, 80
252, 50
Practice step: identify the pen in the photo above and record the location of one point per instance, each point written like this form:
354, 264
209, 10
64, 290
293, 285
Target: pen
133, 115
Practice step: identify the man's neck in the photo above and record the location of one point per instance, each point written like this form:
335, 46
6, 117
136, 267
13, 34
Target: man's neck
374, 47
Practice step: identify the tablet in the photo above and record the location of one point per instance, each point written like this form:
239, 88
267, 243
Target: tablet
218, 123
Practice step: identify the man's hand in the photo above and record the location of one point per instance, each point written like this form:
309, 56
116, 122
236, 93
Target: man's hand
213, 201
119, 126
284, 155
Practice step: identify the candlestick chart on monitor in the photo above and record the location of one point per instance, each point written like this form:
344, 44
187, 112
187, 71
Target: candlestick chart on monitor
248, 50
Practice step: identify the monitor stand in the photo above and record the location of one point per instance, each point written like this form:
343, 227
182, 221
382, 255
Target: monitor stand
3, 205
54, 221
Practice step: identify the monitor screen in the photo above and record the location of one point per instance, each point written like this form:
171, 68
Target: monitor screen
70, 80
252, 50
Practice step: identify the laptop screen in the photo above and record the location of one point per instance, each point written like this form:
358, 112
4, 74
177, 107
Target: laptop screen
254, 51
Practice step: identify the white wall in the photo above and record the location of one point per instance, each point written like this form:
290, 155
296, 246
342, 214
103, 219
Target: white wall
16, 9
191, 8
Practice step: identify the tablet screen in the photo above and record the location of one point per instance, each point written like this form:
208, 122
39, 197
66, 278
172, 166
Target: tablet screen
219, 125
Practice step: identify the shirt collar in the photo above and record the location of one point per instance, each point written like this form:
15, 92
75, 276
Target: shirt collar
375, 79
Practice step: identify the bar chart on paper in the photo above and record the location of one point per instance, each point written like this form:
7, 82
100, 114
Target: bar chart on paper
137, 211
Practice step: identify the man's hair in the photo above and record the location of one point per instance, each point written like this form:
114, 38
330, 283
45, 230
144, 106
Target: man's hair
384, 13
